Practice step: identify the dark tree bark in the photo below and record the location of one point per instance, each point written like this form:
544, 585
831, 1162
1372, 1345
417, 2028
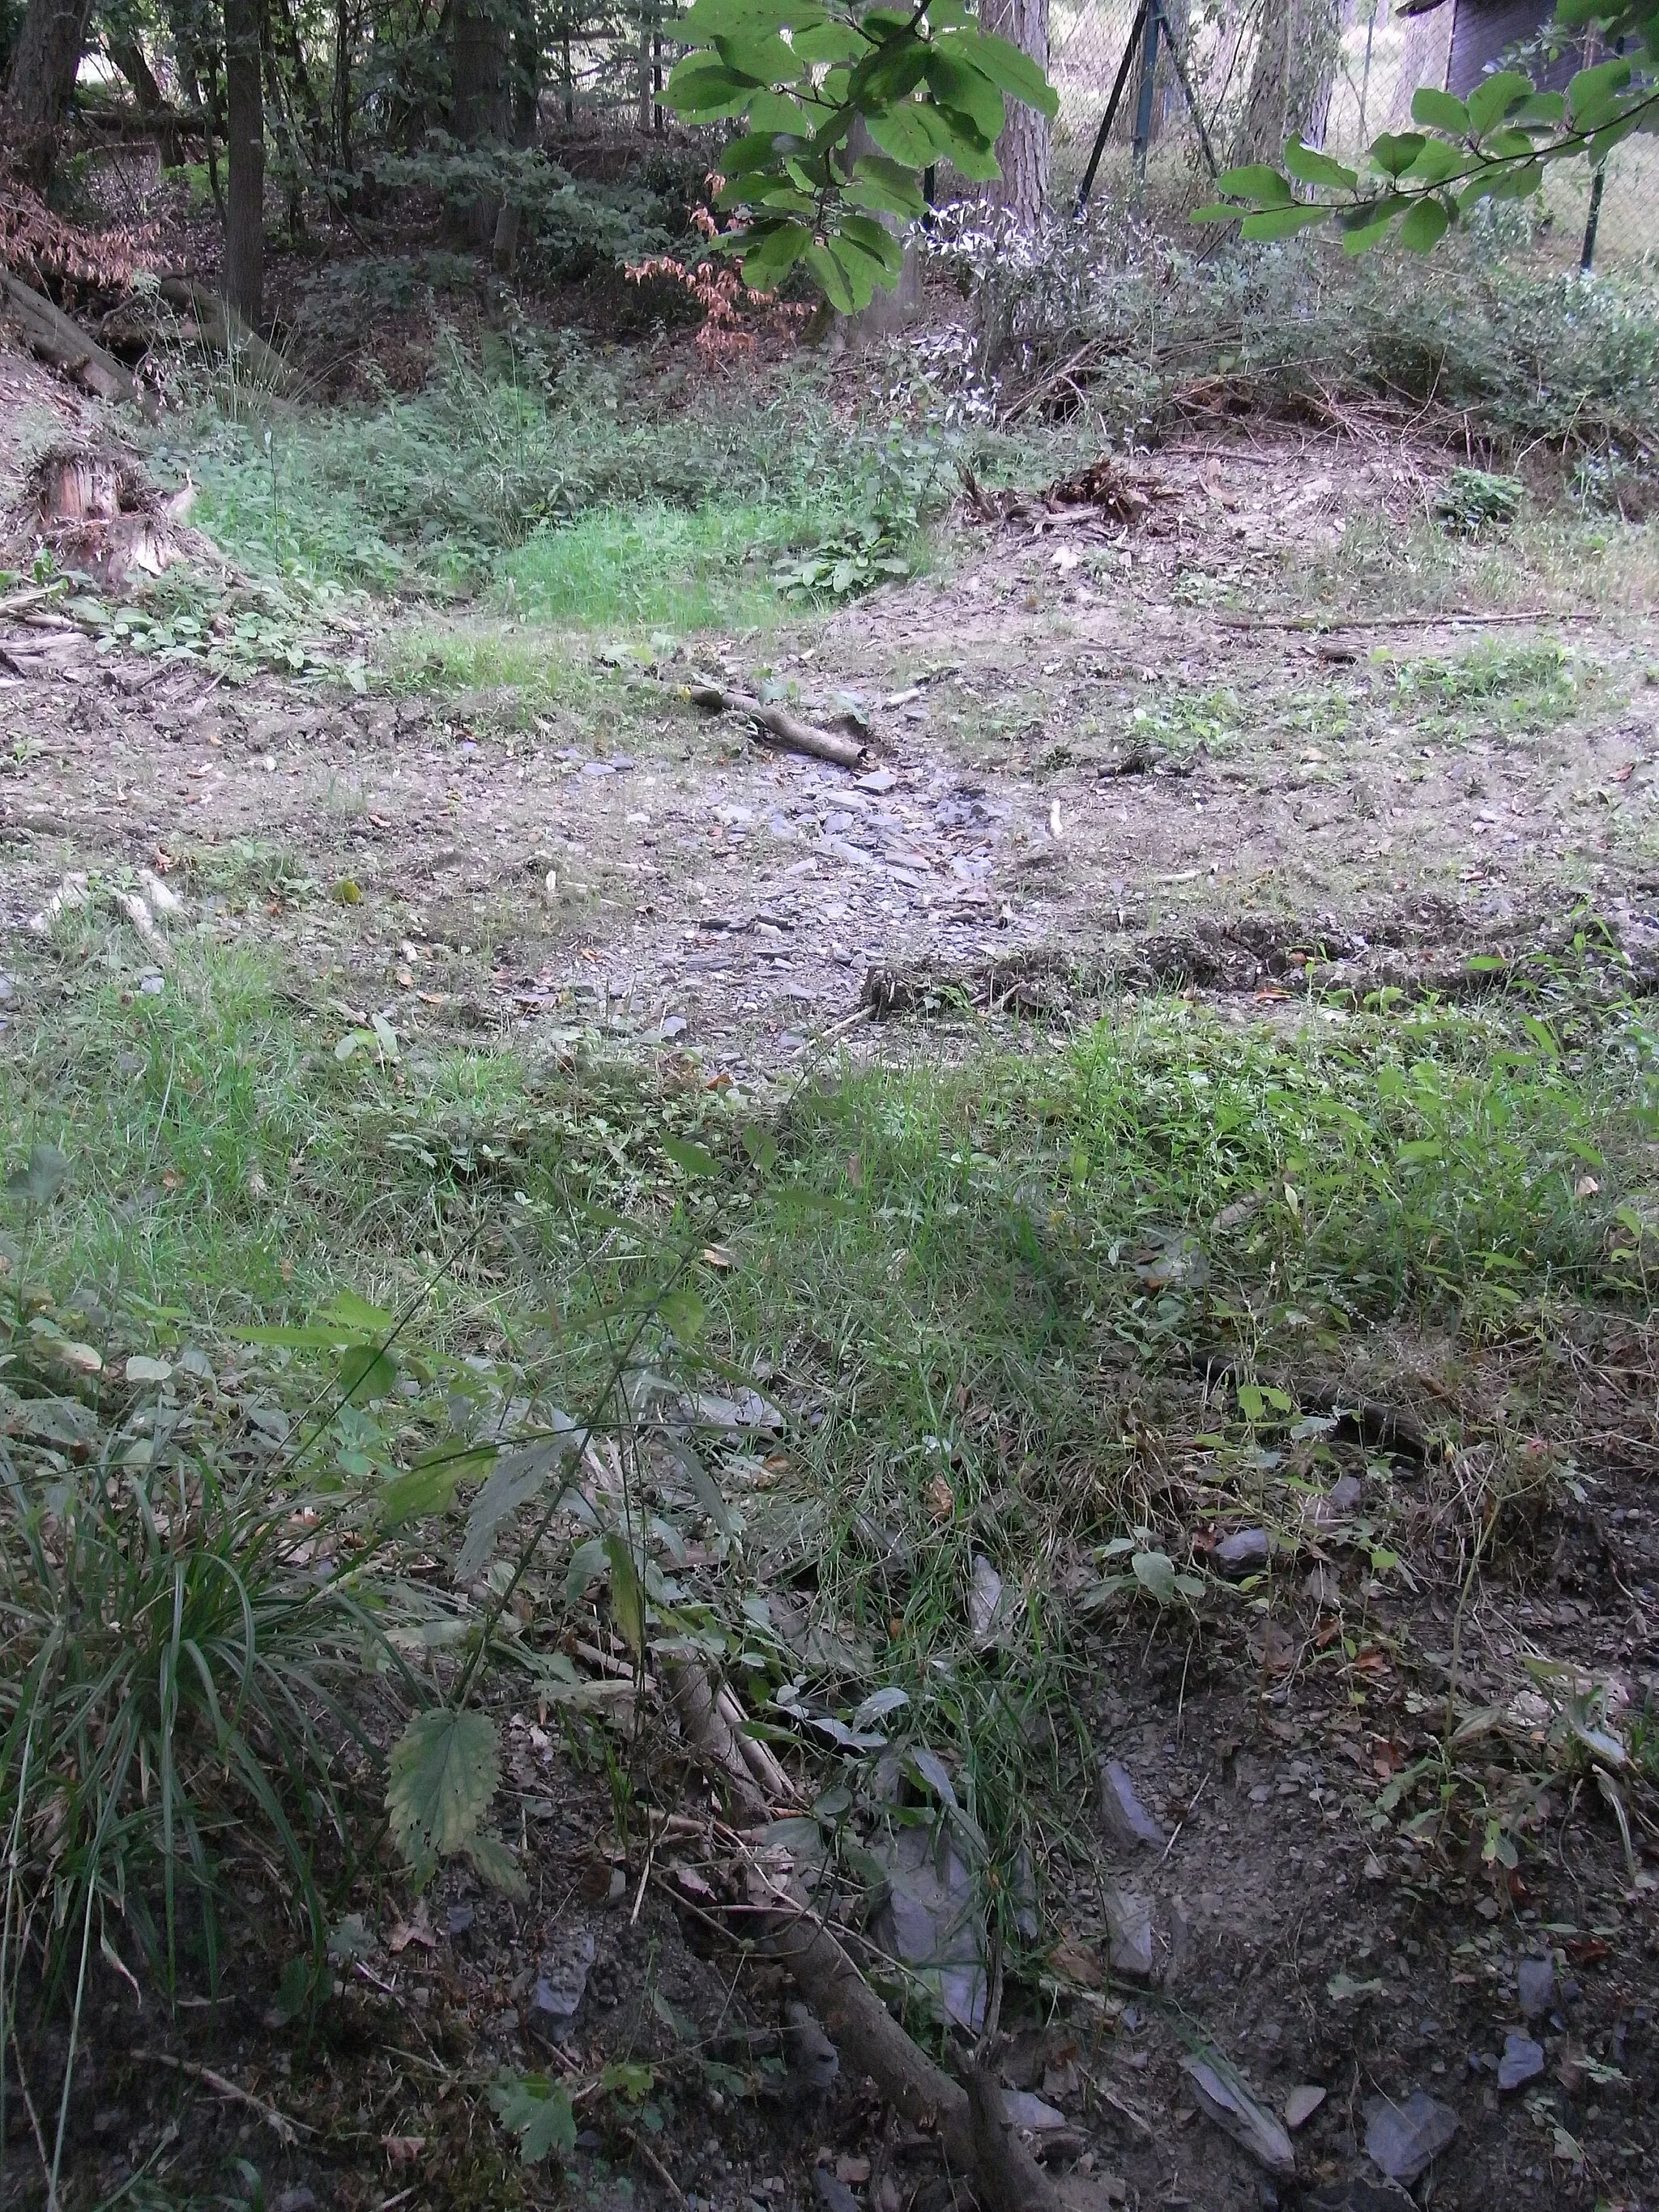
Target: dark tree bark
245, 134
480, 108
1023, 149
1291, 79
343, 86
37, 97
128, 57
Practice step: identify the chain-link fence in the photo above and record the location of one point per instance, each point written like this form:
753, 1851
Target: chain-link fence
1154, 93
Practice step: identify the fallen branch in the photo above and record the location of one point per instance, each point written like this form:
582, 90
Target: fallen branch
1421, 621
716, 1727
776, 726
287, 2132
973, 2130
54, 338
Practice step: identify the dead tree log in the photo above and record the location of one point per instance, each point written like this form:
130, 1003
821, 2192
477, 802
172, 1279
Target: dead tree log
54, 338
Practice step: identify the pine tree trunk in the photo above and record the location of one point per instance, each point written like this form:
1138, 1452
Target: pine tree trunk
245, 187
1023, 149
38, 95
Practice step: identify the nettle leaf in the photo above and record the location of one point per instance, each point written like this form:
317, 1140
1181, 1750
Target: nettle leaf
1309, 167
1256, 181
495, 1865
1494, 96
41, 1177
1425, 226
1006, 66
539, 2112
1441, 110
443, 1772
517, 1478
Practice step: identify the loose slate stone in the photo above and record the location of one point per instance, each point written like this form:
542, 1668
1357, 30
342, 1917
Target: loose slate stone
1403, 2139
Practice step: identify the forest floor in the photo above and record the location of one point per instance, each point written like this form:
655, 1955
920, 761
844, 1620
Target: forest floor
1281, 760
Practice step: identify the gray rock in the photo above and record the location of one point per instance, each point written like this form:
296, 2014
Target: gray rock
1522, 2061
298, 2199
1226, 2099
1342, 1499
933, 1921
562, 1982
834, 2196
1242, 1552
457, 1920
879, 779
1304, 2101
1129, 1931
1403, 2139
1536, 1978
1027, 2110
1127, 1823
815, 2058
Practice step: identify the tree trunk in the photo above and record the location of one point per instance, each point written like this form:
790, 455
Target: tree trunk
128, 57
1023, 149
245, 134
1290, 81
342, 87
525, 90
42, 79
479, 107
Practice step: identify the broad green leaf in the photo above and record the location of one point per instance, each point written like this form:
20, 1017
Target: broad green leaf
356, 1315
714, 19
141, 1369
1425, 227
909, 133
683, 1310
495, 1865
1013, 71
761, 59
1604, 140
703, 91
691, 1159
517, 1478
1547, 108
754, 151
1309, 167
1256, 181
892, 73
1155, 1571
1281, 222
1441, 110
429, 1486
1494, 96
443, 1772
627, 1598
296, 1339
1439, 161
539, 2112
973, 154
1395, 150
588, 1560
874, 239
1216, 212
365, 1372
886, 188
955, 84
832, 278
40, 1178
830, 42
780, 112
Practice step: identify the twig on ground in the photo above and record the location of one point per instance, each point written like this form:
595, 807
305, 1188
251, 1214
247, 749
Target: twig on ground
776, 726
287, 2132
1419, 620
643, 2149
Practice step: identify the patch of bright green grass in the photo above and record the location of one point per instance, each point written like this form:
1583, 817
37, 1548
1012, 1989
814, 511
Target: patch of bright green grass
653, 565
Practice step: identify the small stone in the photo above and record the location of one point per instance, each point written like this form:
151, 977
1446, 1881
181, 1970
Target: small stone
1235, 2112
815, 2058
1536, 1978
1242, 1552
1027, 2110
833, 2193
457, 1920
300, 2199
1127, 1823
1304, 2101
562, 1982
1342, 1499
1522, 2061
1404, 2139
879, 779
672, 1025
1129, 1928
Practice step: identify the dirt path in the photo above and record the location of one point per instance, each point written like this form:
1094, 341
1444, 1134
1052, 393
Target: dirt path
1070, 752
